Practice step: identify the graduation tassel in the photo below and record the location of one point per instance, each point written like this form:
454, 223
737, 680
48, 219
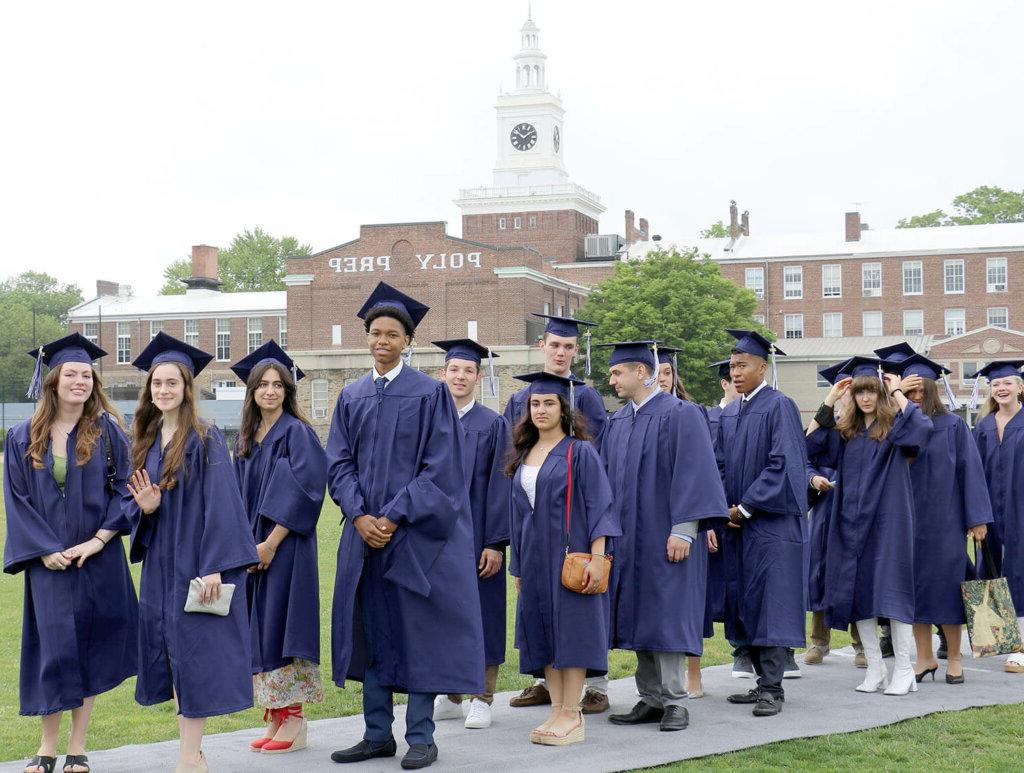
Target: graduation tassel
295, 374
974, 393
885, 388
954, 404
35, 387
572, 403
407, 356
675, 371
654, 374
490, 372
586, 334
775, 369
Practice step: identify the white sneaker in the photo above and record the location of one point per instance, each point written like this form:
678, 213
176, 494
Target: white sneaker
479, 715
445, 709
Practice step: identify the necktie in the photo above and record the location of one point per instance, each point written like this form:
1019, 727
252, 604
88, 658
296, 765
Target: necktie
380, 383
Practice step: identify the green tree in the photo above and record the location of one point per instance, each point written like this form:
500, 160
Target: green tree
985, 204
173, 274
42, 293
716, 230
681, 300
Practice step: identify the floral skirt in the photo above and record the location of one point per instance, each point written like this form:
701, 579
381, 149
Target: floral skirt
296, 682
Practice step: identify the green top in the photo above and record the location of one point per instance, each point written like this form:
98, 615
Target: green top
60, 469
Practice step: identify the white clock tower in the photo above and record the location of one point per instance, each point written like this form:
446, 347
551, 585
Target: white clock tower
531, 184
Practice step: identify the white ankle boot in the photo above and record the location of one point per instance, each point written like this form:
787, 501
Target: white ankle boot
903, 678
874, 679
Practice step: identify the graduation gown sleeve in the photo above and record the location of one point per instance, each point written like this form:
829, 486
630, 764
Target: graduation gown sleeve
781, 487
696, 490
295, 492
115, 518
342, 472
497, 506
224, 518
29, 534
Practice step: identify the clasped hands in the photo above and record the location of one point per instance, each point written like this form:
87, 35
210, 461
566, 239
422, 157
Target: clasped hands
376, 530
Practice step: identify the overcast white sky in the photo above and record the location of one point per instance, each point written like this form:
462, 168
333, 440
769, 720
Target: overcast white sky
133, 130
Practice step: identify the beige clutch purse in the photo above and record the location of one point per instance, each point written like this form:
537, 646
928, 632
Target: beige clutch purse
219, 607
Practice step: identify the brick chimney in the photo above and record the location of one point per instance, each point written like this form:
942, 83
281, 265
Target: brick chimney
734, 223
854, 226
106, 288
204, 268
745, 223
631, 232
644, 229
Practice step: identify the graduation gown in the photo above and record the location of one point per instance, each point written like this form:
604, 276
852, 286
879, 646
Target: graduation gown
714, 603
1004, 474
283, 481
587, 399
661, 465
400, 456
79, 626
200, 528
486, 445
870, 567
556, 626
819, 463
762, 459
950, 496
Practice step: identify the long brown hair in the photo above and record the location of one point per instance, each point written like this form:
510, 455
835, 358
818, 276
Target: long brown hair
932, 404
991, 406
147, 422
251, 414
851, 422
89, 425
525, 434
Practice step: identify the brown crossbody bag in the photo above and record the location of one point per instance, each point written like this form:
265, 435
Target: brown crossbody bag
575, 563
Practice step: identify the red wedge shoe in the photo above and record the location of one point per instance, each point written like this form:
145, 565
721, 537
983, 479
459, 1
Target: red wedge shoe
299, 742
273, 725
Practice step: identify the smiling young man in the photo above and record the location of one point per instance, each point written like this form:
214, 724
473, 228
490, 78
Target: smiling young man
406, 615
762, 457
661, 464
486, 444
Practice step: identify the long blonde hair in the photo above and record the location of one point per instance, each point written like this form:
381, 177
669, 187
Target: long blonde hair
89, 425
991, 406
851, 421
147, 422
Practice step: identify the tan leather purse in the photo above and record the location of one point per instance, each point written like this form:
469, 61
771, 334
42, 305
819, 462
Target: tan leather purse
575, 563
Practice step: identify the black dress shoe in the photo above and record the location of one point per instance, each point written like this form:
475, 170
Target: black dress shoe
420, 755
750, 696
366, 750
641, 714
767, 706
674, 718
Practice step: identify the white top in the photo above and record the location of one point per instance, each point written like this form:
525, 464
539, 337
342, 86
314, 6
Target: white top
391, 375
466, 408
528, 479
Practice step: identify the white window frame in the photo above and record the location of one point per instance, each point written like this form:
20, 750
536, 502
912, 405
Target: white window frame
958, 314
913, 330
832, 317
993, 282
222, 338
871, 315
319, 403
502, 223
953, 270
1005, 315
91, 331
753, 280
336, 337
913, 277
124, 343
192, 332
871, 280
793, 326
155, 326
793, 283
282, 331
533, 221
254, 333
547, 308
471, 329
758, 318
517, 223
832, 287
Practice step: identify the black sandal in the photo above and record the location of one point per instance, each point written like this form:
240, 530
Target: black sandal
41, 761
76, 761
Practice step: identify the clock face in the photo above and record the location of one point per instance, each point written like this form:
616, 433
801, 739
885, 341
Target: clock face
523, 136
558, 139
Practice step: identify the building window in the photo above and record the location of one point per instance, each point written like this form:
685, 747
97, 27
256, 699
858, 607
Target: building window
282, 332
91, 331
831, 281
335, 335
502, 223
155, 326
871, 280
560, 314
192, 332
254, 327
794, 325
124, 343
967, 371
953, 270
224, 384
793, 282
758, 318
913, 323
318, 398
533, 221
822, 382
996, 275
913, 277
471, 329
871, 323
999, 317
223, 335
832, 324
547, 308
955, 324
517, 222
754, 280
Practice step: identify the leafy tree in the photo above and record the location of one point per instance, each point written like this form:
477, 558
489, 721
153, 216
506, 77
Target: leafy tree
173, 274
42, 293
985, 204
681, 300
716, 230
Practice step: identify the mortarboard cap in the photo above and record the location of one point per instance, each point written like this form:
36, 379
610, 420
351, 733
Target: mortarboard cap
1000, 369
549, 384
463, 349
919, 365
270, 352
563, 326
70, 348
631, 351
384, 295
165, 348
896, 352
837, 372
666, 354
752, 342
723, 369
863, 366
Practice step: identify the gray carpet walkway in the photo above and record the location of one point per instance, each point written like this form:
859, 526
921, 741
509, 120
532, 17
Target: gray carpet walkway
823, 701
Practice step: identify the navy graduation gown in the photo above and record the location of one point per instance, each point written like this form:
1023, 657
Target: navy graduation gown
200, 528
283, 481
79, 626
486, 445
1004, 474
950, 496
400, 456
588, 401
870, 567
819, 463
714, 604
661, 465
556, 626
763, 461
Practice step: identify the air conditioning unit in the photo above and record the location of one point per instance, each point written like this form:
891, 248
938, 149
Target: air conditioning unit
872, 292
602, 246
999, 287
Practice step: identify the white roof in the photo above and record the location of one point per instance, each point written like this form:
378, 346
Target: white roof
882, 242
836, 349
194, 303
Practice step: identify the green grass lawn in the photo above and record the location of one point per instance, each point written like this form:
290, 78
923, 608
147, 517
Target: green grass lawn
979, 739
